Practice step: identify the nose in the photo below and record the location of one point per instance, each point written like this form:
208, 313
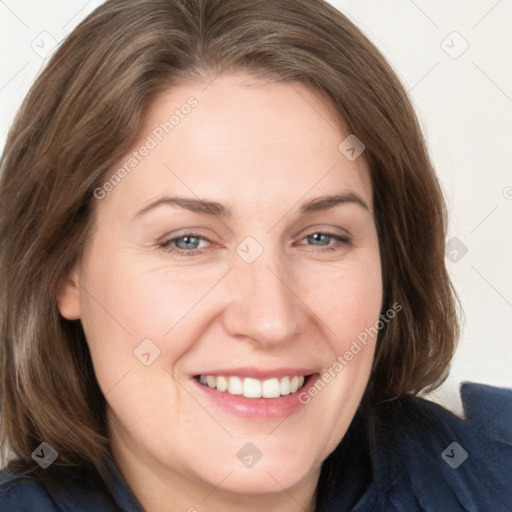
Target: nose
263, 304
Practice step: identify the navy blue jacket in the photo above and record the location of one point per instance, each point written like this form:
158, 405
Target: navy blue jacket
406, 455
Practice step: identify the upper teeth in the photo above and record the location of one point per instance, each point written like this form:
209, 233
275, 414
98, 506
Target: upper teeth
254, 388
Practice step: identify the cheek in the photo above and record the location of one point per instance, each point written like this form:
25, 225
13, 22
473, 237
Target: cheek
127, 304
172, 307
348, 299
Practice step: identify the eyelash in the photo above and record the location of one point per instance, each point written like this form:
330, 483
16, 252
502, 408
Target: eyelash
166, 244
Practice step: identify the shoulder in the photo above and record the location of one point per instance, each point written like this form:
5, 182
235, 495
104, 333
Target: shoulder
428, 458
21, 493
53, 491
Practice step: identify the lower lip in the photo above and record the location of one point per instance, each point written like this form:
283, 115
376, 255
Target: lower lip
258, 408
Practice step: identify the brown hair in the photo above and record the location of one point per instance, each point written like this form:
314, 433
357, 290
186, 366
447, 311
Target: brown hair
83, 114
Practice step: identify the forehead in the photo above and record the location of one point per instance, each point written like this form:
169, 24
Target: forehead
240, 141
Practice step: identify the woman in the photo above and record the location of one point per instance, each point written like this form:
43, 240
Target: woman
224, 280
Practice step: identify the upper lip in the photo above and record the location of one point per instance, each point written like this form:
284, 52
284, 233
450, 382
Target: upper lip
258, 373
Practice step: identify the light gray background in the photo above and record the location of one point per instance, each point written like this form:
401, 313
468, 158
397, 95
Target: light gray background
454, 58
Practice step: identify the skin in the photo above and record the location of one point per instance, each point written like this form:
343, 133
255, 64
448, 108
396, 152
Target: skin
261, 149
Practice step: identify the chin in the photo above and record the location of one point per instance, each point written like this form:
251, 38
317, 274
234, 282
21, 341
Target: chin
258, 483
268, 477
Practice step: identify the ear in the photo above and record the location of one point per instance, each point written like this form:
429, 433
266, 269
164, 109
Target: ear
68, 297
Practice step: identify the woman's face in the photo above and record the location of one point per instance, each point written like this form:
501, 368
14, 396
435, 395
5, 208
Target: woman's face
246, 292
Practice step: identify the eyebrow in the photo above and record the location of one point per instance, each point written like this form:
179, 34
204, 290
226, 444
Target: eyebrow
219, 210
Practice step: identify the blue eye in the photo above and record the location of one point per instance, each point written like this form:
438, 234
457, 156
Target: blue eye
185, 245
189, 243
321, 239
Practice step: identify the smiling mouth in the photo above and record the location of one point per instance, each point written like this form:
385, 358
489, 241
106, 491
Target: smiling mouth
249, 387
